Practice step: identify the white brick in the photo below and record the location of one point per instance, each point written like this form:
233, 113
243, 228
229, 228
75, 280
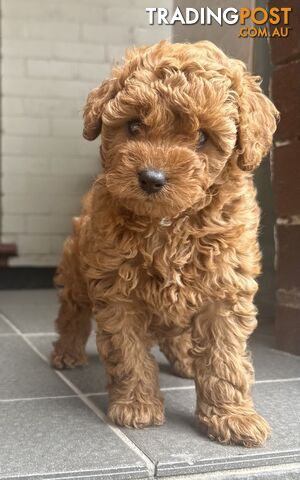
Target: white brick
56, 185
66, 204
13, 145
53, 31
41, 204
13, 223
25, 126
57, 243
12, 164
127, 16
12, 28
56, 9
48, 224
52, 68
13, 67
67, 70
25, 165
40, 30
15, 184
35, 260
143, 4
118, 3
14, 48
52, 185
22, 204
44, 87
106, 34
51, 107
67, 127
38, 165
85, 148
78, 165
12, 106
53, 53
151, 35
115, 53
79, 51
93, 71
9, 238
33, 244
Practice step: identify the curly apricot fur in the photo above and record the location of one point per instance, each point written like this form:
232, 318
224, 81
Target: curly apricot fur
178, 267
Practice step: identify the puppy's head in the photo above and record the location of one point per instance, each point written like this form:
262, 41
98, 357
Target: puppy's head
172, 118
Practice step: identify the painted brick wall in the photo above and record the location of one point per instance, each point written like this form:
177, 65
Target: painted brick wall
225, 36
53, 53
286, 181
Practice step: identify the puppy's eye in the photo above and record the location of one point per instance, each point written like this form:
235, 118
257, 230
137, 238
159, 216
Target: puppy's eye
134, 127
202, 138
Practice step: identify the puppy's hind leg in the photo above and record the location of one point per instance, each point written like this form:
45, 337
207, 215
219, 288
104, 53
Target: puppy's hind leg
177, 350
73, 323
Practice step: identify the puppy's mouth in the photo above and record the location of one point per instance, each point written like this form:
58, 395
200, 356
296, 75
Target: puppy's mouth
163, 188
154, 200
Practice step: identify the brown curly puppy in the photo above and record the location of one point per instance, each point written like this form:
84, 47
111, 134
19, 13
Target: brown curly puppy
165, 249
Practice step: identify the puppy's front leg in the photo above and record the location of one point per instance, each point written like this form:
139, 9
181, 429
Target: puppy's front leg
133, 387
224, 374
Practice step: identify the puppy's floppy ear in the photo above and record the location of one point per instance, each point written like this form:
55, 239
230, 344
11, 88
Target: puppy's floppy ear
94, 107
258, 119
257, 115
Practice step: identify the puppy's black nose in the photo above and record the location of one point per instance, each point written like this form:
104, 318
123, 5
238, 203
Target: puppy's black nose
152, 181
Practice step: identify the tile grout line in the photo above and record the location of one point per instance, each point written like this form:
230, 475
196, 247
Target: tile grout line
182, 387
103, 394
7, 334
29, 399
236, 473
40, 334
97, 411
278, 380
24, 399
67, 476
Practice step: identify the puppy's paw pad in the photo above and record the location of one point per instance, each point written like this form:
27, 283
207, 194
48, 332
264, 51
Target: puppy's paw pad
136, 414
249, 430
63, 360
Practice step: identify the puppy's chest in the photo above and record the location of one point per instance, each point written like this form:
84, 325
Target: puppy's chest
164, 270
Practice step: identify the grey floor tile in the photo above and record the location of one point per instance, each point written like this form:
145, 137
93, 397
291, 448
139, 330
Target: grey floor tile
4, 328
167, 376
273, 472
61, 438
28, 297
32, 318
269, 364
23, 374
91, 379
178, 447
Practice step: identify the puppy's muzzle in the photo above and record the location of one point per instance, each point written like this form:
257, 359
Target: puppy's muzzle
152, 181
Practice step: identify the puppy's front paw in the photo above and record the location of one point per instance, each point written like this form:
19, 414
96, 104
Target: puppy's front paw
61, 359
250, 430
137, 414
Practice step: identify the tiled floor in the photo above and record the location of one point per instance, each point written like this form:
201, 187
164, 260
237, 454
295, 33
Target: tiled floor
53, 424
